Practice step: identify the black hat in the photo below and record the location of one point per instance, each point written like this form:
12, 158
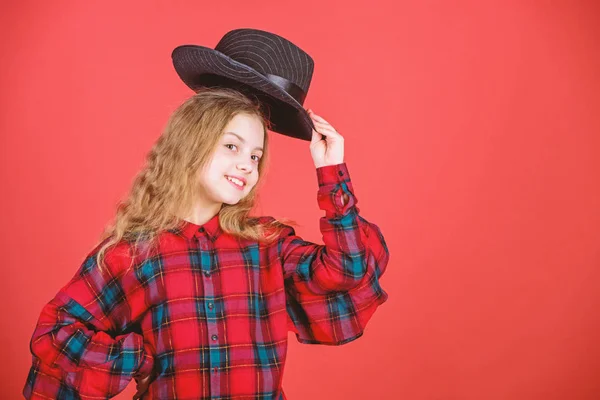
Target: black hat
269, 67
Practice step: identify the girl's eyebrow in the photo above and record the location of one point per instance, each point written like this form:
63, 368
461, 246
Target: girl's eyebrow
242, 139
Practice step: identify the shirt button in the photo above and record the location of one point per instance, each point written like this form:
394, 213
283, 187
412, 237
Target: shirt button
341, 173
210, 306
201, 230
214, 337
206, 273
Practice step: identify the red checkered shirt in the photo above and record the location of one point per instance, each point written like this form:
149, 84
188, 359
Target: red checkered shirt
207, 312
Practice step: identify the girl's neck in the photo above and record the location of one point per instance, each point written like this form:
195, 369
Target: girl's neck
201, 215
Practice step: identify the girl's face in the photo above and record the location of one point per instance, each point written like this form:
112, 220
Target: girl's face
233, 170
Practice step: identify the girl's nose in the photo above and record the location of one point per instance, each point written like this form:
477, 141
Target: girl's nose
245, 166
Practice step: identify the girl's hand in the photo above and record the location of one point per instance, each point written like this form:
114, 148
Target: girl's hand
328, 150
142, 385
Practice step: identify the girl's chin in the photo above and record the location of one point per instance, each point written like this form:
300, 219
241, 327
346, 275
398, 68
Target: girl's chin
232, 200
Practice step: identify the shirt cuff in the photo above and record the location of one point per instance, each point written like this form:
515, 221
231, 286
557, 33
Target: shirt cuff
146, 364
334, 182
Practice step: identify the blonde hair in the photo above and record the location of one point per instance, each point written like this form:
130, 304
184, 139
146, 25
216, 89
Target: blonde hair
166, 187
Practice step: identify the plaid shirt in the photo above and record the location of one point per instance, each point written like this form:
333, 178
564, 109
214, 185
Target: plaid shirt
209, 312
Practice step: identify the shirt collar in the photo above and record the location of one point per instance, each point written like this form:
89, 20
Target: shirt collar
211, 228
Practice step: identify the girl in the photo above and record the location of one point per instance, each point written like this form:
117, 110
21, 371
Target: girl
190, 295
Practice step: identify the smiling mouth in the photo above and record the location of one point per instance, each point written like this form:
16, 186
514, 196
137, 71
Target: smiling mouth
236, 183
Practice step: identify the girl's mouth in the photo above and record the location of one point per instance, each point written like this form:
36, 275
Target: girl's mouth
239, 187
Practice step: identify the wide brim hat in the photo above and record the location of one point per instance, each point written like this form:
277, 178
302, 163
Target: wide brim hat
260, 64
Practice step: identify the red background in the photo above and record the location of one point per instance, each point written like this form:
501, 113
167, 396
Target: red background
471, 137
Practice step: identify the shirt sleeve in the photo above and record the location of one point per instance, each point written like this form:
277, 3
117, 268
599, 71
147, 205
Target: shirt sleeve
333, 289
84, 345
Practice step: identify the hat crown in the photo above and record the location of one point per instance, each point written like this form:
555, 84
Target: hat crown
268, 54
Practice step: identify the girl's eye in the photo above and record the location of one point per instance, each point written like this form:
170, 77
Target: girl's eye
257, 159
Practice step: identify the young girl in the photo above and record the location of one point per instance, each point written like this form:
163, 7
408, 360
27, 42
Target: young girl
190, 295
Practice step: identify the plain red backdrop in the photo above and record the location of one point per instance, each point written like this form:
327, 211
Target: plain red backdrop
471, 137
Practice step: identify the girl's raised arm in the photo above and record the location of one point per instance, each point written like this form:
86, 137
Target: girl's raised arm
353, 247
333, 289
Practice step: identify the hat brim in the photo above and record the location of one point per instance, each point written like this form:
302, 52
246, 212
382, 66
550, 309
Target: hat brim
200, 66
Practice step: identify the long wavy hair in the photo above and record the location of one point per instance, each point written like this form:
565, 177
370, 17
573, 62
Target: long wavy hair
166, 187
